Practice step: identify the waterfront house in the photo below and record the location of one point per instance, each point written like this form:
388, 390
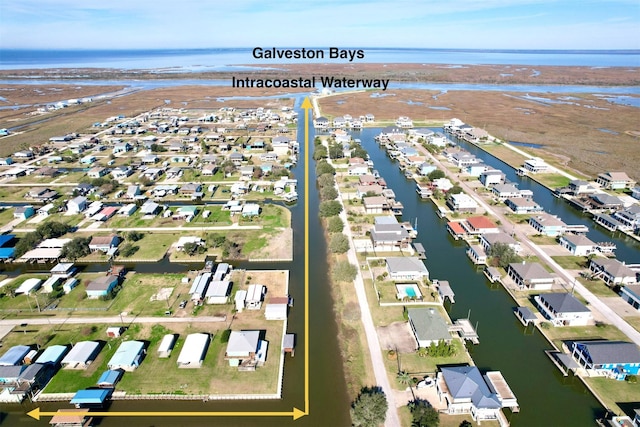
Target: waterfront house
630, 217
101, 286
81, 355
251, 209
612, 359
389, 237
530, 276
535, 165
368, 190
218, 292
150, 208
276, 308
77, 205
578, 245
423, 133
505, 191
476, 169
438, 139
42, 194
358, 170
563, 309
492, 177
194, 350
109, 378
406, 268
477, 254
23, 212
199, 287
321, 123
245, 350
104, 243
608, 222
463, 159
635, 193
466, 391
578, 187
52, 355
128, 356
442, 184
612, 271
88, 160
428, 326
605, 201
477, 225
615, 180
255, 296
521, 205
462, 203
548, 224
456, 230
631, 294
97, 172
425, 169
375, 205
490, 239
15, 355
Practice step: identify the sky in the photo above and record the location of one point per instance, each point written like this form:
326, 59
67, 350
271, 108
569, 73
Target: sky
463, 24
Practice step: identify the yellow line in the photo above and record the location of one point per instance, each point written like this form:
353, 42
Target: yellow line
306, 107
170, 414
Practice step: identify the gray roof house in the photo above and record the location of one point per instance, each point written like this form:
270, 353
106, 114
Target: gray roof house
15, 355
613, 272
81, 355
428, 326
614, 359
563, 309
406, 268
245, 350
530, 276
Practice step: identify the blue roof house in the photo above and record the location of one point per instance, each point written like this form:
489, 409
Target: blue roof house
128, 356
613, 359
109, 378
90, 398
15, 355
24, 212
52, 355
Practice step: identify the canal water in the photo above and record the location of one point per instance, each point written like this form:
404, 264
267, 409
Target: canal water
546, 398
329, 402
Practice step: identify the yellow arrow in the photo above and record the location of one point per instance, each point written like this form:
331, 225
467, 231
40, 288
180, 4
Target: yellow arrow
296, 413
306, 105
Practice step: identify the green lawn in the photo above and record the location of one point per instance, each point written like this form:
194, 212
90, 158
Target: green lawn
571, 262
552, 180
613, 392
604, 331
540, 239
217, 217
271, 216
153, 246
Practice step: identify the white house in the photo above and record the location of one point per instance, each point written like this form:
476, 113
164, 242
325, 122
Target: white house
406, 268
77, 205
578, 245
563, 309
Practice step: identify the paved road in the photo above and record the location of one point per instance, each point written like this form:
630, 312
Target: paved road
194, 228
379, 370
595, 303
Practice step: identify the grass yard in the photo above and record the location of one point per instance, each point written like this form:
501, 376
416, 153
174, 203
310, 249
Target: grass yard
13, 194
597, 287
552, 180
540, 239
217, 217
153, 246
138, 289
603, 331
271, 216
571, 262
614, 392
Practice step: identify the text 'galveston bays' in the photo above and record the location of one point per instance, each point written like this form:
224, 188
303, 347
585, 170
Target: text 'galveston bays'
310, 83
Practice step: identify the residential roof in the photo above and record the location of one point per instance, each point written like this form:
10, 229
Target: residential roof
493, 238
102, 283
127, 354
549, 220
89, 397
102, 240
466, 382
478, 222
109, 377
243, 341
429, 324
81, 352
14, 355
614, 267
530, 271
578, 240
456, 227
194, 348
616, 176
603, 351
52, 354
410, 264
564, 303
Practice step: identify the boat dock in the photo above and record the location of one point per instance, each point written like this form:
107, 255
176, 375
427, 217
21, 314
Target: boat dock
525, 315
563, 361
422, 253
465, 329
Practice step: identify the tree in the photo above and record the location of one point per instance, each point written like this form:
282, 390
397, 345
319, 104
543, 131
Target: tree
192, 248
503, 255
26, 243
358, 151
335, 225
423, 414
328, 193
336, 151
52, 229
76, 248
128, 249
436, 174
257, 172
156, 148
320, 152
339, 243
326, 180
330, 208
134, 236
324, 167
216, 240
466, 423
370, 408
403, 378
344, 271
456, 189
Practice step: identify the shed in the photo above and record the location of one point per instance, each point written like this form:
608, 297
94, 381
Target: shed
81, 355
28, 285
193, 350
218, 292
15, 355
109, 378
71, 283
166, 345
128, 356
115, 331
51, 283
52, 355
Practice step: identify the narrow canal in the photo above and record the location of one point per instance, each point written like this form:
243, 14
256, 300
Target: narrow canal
329, 403
546, 398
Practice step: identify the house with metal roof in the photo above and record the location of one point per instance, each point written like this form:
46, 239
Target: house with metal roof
128, 356
91, 398
193, 350
15, 355
242, 349
613, 359
81, 355
218, 292
166, 345
101, 286
52, 355
563, 309
428, 326
109, 378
